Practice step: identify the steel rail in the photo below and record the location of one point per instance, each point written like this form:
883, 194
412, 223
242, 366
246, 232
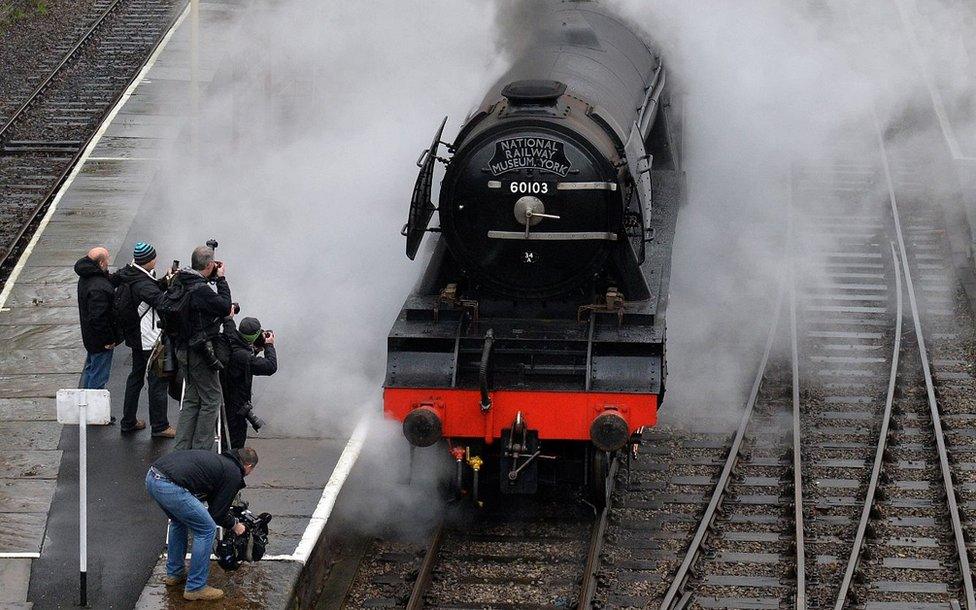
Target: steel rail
7, 251
57, 69
680, 580
869, 498
426, 572
801, 568
588, 584
951, 501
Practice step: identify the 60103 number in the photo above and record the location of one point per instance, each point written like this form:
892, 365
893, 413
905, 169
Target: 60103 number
529, 188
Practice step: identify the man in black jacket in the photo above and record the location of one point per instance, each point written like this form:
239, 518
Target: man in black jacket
98, 332
246, 343
201, 398
140, 328
179, 482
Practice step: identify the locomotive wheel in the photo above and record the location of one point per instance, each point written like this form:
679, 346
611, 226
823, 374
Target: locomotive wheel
598, 484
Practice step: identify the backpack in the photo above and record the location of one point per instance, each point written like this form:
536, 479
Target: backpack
125, 308
173, 309
222, 349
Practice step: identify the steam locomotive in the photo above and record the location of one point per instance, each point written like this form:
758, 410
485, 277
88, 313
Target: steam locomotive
534, 344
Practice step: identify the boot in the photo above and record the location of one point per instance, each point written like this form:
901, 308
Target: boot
206, 593
139, 425
167, 433
172, 581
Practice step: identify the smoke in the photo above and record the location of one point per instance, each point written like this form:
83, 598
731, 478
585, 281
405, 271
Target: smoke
301, 165
764, 86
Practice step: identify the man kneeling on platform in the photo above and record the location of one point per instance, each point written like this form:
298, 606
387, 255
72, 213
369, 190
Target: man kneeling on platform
178, 482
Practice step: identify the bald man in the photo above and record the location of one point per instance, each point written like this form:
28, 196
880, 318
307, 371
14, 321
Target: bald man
98, 328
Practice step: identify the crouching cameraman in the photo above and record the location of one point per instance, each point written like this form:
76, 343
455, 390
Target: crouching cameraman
178, 482
246, 344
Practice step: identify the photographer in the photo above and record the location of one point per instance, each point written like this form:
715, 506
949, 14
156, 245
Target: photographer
205, 308
138, 290
246, 344
180, 482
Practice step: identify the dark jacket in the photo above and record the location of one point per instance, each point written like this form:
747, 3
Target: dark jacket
144, 289
214, 478
95, 295
243, 364
207, 308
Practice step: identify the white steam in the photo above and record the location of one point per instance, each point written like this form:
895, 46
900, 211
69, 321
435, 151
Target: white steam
766, 84
303, 170
303, 166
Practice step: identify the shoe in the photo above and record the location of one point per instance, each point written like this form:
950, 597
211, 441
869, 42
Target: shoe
167, 433
172, 581
139, 425
206, 593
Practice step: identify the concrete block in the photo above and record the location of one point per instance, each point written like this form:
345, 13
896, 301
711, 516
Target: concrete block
14, 579
30, 464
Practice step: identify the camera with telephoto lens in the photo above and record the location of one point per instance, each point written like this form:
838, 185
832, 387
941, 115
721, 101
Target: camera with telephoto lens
247, 411
232, 550
210, 355
212, 244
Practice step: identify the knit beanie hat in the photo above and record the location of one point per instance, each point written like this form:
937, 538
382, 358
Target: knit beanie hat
143, 253
249, 328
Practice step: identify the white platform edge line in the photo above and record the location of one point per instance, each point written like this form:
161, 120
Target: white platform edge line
327, 502
213, 557
20, 555
22, 261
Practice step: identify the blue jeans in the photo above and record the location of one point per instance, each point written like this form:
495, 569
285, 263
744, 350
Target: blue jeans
97, 367
184, 511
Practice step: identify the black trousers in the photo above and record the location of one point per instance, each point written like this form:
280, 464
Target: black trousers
158, 400
237, 426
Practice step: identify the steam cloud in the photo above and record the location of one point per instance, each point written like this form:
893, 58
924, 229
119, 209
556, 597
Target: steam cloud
302, 167
765, 85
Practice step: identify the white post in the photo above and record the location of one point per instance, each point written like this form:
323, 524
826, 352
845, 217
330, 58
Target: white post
83, 407
83, 496
220, 411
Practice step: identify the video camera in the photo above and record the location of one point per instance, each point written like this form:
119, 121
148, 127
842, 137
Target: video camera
232, 550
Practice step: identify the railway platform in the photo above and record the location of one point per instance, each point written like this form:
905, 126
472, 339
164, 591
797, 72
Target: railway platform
105, 202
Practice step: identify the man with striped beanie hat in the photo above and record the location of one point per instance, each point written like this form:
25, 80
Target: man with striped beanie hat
137, 292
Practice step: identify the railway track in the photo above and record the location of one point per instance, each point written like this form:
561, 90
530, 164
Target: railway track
849, 294
872, 462
42, 50
45, 136
539, 555
917, 555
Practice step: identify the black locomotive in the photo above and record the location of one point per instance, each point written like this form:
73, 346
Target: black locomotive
538, 329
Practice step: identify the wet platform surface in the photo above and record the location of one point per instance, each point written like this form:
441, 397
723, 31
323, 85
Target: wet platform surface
107, 204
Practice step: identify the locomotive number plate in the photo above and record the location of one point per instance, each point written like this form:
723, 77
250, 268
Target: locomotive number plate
530, 188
